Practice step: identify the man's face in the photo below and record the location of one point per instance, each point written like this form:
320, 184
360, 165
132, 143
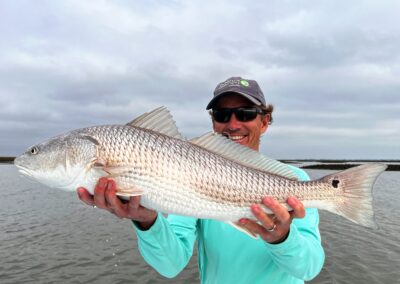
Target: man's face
245, 133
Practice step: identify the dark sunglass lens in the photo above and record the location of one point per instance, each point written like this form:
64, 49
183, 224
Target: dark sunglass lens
222, 115
246, 114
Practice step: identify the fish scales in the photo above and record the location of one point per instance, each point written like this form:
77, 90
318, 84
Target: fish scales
206, 177
171, 169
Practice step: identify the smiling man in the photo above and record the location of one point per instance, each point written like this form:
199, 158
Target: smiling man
288, 249
245, 99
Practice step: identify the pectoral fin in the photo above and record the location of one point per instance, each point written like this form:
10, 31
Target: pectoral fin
120, 174
115, 171
131, 191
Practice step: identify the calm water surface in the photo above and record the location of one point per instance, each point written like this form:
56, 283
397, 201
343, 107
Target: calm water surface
49, 236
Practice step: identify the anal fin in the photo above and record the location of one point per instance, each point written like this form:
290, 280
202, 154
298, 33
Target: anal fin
119, 173
239, 227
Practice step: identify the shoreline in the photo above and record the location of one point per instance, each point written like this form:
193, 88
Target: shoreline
312, 164
325, 164
390, 167
7, 160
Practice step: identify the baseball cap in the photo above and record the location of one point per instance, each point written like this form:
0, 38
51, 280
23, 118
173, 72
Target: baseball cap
247, 88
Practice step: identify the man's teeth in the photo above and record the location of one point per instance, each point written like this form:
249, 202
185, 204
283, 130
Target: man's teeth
236, 137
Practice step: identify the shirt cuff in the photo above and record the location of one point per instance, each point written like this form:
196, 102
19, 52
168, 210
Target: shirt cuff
154, 229
290, 243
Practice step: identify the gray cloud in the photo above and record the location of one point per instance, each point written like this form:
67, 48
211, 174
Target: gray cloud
330, 69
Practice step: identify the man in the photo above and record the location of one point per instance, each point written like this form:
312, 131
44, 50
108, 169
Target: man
289, 248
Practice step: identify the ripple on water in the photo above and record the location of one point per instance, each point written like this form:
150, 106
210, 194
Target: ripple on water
51, 237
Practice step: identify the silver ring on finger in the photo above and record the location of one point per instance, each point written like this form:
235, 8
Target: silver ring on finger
271, 229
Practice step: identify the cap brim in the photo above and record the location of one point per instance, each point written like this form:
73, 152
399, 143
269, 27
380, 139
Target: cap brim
250, 98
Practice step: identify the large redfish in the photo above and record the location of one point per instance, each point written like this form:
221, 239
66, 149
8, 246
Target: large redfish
206, 177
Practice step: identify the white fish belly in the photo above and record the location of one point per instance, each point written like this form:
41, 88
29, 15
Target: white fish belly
195, 207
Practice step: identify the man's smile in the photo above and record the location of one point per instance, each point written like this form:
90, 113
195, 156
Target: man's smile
237, 138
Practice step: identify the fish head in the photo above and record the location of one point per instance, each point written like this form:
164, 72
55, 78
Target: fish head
59, 162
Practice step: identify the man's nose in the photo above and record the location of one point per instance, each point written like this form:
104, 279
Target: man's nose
233, 123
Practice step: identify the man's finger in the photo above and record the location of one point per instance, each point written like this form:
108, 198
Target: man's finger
261, 216
298, 208
109, 193
254, 227
99, 193
113, 201
278, 209
85, 196
134, 202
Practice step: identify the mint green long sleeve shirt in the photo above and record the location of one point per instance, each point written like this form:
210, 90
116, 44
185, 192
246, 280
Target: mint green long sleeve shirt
226, 255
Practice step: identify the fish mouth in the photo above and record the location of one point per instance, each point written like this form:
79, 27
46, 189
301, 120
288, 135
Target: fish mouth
23, 170
26, 174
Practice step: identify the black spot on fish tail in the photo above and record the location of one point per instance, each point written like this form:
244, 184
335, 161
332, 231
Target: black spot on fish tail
335, 183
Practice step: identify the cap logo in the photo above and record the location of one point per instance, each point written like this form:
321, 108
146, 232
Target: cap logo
233, 83
244, 83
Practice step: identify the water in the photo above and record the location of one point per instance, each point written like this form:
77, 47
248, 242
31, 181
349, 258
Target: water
49, 236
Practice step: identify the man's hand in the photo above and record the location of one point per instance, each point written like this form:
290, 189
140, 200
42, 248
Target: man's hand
105, 198
274, 230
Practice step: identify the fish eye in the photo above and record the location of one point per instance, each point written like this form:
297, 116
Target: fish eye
34, 150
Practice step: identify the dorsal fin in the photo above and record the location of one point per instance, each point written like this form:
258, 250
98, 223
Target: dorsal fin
159, 120
225, 147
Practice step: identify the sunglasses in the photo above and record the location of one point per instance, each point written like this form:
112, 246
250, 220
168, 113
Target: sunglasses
243, 114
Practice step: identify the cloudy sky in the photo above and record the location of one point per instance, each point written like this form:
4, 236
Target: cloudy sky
331, 69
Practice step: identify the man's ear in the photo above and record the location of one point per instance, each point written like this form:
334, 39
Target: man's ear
265, 122
213, 123
212, 119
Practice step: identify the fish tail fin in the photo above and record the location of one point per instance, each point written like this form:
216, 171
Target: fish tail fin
356, 185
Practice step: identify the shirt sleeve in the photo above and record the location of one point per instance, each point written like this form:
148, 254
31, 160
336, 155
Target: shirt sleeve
168, 245
301, 254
